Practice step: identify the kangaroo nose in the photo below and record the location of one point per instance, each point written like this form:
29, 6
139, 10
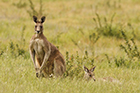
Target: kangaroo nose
37, 75
38, 31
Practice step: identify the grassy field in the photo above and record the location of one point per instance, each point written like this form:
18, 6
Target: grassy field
101, 33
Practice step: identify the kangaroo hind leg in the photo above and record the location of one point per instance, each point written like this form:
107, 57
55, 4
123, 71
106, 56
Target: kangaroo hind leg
59, 68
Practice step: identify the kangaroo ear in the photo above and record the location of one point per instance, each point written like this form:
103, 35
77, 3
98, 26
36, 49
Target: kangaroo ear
35, 19
86, 69
43, 19
92, 69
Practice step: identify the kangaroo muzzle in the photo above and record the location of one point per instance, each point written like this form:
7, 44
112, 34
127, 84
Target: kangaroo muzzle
37, 32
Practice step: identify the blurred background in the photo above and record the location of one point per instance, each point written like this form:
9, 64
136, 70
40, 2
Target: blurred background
101, 33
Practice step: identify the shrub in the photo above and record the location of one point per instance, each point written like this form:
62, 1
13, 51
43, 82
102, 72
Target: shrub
20, 4
130, 47
16, 50
106, 28
75, 64
33, 11
132, 58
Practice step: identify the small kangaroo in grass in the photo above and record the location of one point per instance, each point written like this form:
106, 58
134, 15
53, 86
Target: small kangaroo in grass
90, 75
46, 57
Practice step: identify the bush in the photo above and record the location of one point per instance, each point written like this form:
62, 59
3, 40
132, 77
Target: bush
33, 11
132, 58
75, 65
106, 28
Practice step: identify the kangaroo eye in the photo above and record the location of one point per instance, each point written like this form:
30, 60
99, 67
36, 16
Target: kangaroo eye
35, 26
41, 27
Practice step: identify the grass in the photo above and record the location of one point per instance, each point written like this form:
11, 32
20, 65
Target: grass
70, 25
17, 77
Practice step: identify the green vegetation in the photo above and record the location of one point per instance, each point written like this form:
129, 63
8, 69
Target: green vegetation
101, 33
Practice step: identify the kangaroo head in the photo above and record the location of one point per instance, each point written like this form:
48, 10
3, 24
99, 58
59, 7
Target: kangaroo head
39, 24
89, 73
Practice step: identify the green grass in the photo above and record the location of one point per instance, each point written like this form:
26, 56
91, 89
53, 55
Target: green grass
69, 24
18, 75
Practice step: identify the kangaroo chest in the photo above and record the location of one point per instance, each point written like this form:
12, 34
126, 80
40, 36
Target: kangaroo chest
38, 47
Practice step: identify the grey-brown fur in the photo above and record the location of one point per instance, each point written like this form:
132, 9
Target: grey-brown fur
46, 57
89, 73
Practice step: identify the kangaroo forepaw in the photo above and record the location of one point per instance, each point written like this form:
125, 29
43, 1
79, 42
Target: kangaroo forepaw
37, 75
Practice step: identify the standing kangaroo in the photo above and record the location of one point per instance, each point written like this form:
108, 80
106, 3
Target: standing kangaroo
46, 57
